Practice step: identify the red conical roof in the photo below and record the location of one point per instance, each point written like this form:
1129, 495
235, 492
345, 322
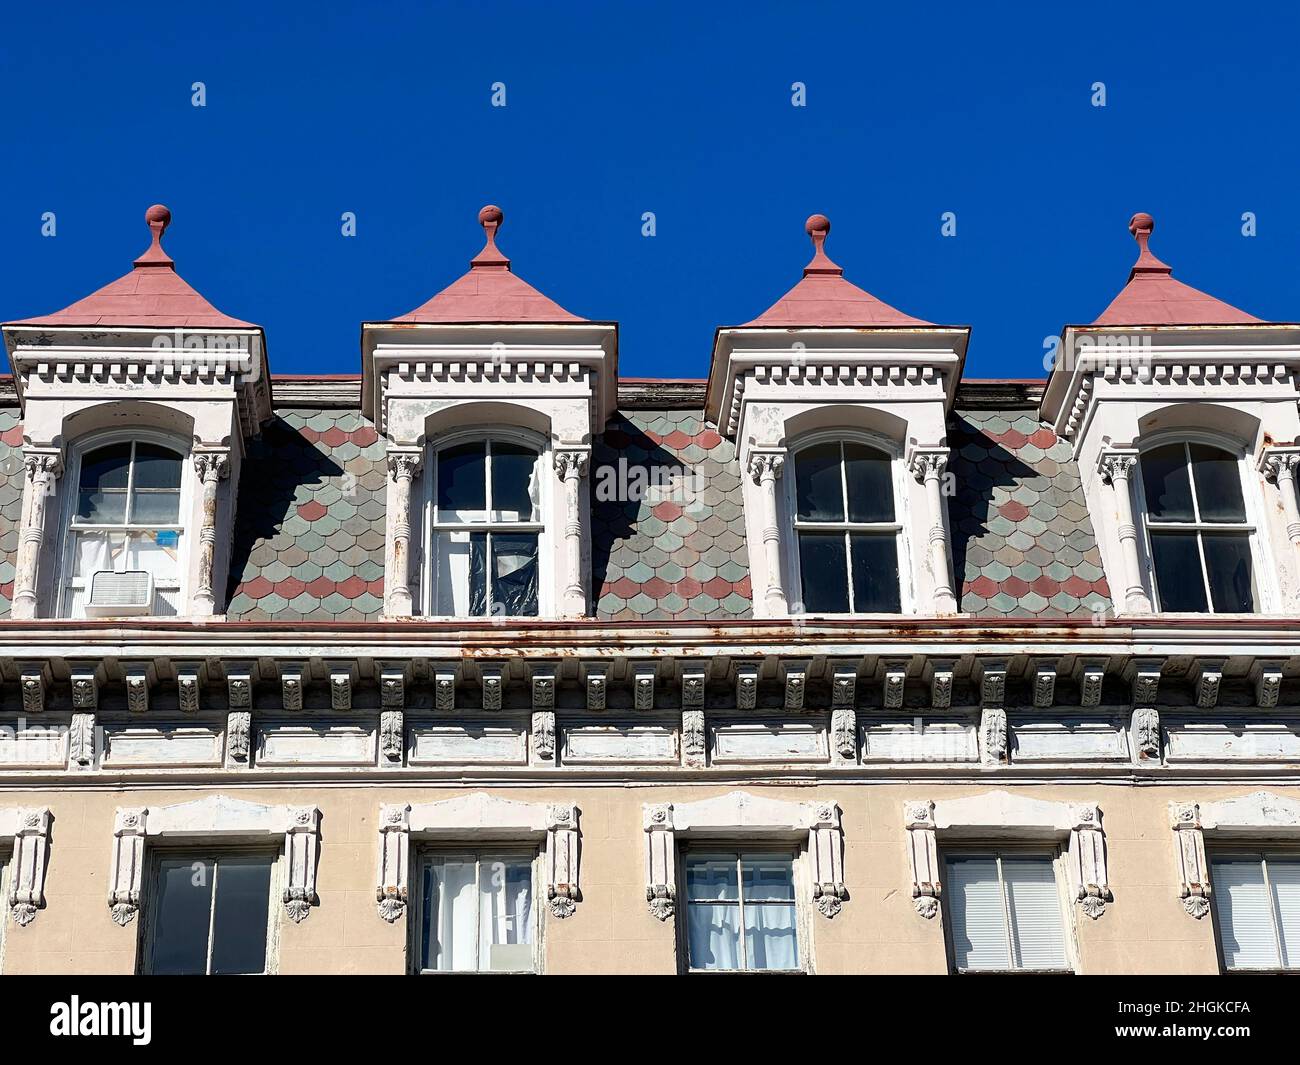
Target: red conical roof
489, 292
1153, 297
823, 299
152, 295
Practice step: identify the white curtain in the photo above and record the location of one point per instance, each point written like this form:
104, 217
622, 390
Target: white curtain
505, 912
770, 938
451, 897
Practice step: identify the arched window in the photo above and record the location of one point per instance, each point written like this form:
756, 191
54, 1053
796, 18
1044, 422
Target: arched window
846, 529
125, 535
1198, 529
485, 524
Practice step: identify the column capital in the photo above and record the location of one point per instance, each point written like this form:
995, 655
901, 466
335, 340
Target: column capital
571, 462
1116, 462
212, 463
927, 461
404, 464
1279, 461
39, 461
761, 462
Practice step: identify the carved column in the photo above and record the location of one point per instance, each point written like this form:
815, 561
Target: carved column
1115, 468
212, 467
402, 467
765, 467
927, 466
1280, 468
394, 860
571, 467
43, 469
660, 860
923, 856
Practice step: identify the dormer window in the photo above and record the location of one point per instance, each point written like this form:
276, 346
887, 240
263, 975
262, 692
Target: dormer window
846, 528
125, 536
1198, 529
485, 528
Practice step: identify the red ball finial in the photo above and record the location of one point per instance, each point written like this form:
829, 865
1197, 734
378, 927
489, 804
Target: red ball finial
158, 215
817, 225
491, 215
1141, 224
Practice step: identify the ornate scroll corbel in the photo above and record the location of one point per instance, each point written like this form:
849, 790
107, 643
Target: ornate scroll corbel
31, 850
301, 848
128, 864
562, 859
394, 859
1189, 851
826, 849
1087, 854
923, 856
660, 860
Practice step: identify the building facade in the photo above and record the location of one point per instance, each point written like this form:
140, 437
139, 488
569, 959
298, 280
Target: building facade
490, 660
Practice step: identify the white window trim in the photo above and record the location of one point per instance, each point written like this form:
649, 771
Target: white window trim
902, 515
736, 819
1052, 852
209, 821
70, 485
474, 819
546, 566
476, 854
1265, 575
29, 829
1000, 816
199, 851
1258, 818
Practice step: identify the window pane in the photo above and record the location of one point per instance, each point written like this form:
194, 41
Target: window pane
766, 877
770, 938
1034, 904
450, 916
156, 508
713, 935
1284, 876
1178, 572
875, 573
514, 575
156, 467
462, 482
1218, 484
1165, 480
824, 572
460, 575
868, 474
1227, 562
979, 927
239, 927
505, 915
711, 878
514, 483
1245, 921
819, 491
184, 910
102, 493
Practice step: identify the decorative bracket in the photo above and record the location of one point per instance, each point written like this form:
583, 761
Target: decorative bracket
923, 856
30, 829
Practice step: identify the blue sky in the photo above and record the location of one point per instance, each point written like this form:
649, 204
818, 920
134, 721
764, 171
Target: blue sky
683, 110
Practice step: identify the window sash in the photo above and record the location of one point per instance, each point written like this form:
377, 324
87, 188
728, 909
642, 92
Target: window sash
743, 906
429, 931
1259, 933
1047, 922
216, 859
437, 521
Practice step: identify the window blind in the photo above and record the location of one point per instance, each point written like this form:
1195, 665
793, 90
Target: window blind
1245, 917
1006, 913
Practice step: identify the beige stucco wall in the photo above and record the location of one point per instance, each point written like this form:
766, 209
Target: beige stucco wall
1145, 929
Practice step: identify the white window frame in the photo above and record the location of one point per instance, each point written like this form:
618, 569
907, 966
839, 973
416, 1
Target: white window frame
900, 525
426, 851
198, 852
426, 597
998, 851
70, 484
1265, 591
1244, 852
736, 848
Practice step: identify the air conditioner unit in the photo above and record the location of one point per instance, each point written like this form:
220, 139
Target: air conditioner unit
118, 594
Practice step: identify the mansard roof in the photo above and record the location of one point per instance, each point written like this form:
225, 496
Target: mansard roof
823, 299
489, 291
152, 295
1153, 297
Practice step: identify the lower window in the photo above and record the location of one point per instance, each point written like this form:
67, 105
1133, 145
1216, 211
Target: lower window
211, 914
1257, 902
740, 912
1005, 913
478, 913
